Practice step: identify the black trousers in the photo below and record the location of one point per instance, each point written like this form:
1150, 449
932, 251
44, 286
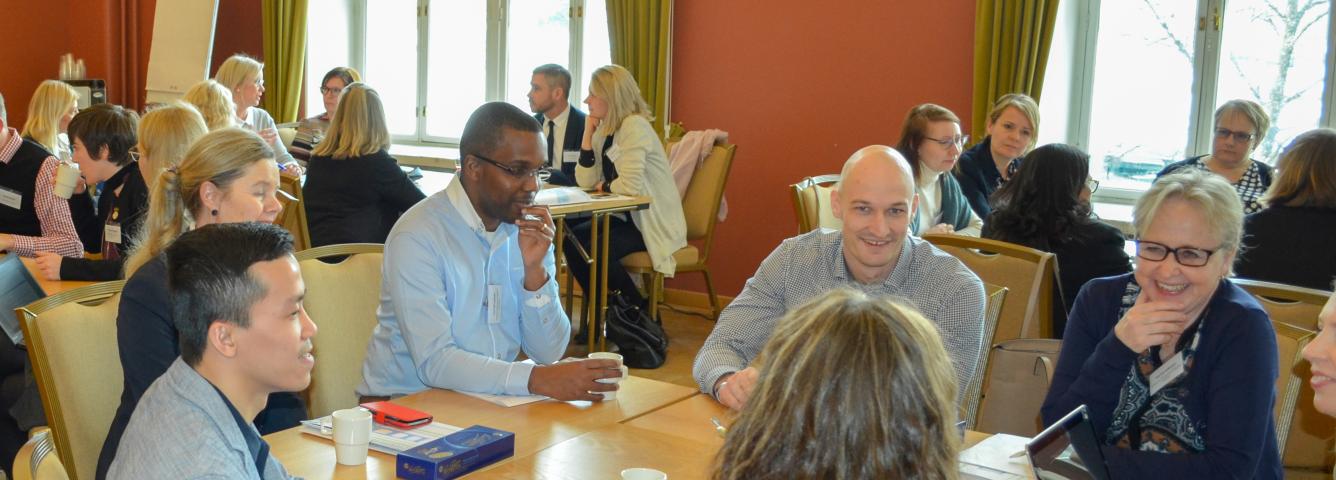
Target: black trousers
624, 240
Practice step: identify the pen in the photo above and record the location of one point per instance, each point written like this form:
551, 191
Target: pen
719, 427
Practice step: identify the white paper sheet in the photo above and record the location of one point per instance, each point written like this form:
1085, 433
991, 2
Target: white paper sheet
995, 459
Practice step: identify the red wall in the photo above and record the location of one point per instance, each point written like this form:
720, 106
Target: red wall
93, 30
800, 86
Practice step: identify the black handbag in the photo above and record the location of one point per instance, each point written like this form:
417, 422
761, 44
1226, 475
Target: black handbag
641, 340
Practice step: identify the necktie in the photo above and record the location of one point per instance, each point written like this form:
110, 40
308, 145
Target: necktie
551, 160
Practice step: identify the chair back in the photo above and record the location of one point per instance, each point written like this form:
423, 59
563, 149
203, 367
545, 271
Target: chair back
341, 299
75, 359
1294, 375
37, 460
1289, 304
810, 197
972, 396
700, 205
1027, 273
293, 215
1019, 373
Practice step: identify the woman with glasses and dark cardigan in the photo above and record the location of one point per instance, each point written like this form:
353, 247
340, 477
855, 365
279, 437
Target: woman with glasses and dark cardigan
1176, 364
1046, 206
620, 153
1239, 125
931, 141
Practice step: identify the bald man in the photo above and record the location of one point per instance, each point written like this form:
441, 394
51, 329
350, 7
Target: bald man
873, 252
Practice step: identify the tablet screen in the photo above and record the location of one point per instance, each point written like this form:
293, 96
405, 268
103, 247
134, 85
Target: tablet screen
1068, 449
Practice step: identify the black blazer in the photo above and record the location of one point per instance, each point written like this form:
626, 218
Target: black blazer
1289, 245
130, 207
575, 125
978, 176
355, 199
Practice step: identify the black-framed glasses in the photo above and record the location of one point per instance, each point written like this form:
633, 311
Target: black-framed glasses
1185, 256
1092, 184
540, 173
327, 90
1245, 137
958, 141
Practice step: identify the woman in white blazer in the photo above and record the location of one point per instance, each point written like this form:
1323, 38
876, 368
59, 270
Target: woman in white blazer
621, 154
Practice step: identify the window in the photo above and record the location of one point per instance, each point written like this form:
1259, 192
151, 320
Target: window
1141, 79
434, 62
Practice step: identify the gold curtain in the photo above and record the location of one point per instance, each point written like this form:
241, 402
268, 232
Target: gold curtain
284, 57
640, 32
1011, 42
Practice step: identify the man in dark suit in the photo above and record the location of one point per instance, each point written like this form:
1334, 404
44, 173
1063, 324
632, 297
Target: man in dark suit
563, 124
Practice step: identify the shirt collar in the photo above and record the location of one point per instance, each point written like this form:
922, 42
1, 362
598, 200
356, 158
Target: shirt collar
257, 447
561, 119
460, 200
899, 273
11, 145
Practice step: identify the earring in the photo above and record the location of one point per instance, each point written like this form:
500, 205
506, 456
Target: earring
214, 212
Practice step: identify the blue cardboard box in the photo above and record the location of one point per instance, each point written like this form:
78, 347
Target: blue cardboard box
455, 454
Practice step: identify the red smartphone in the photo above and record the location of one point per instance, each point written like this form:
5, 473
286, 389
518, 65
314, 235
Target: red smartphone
396, 415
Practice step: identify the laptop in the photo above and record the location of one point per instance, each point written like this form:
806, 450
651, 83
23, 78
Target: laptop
18, 288
1068, 449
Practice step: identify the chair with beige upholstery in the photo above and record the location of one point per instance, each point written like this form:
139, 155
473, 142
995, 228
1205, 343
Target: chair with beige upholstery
811, 203
293, 215
75, 359
37, 460
341, 299
997, 295
1310, 436
1028, 274
1294, 375
700, 206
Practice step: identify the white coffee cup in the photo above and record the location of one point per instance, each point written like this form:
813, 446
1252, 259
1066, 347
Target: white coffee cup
613, 394
352, 435
67, 177
643, 474
607, 356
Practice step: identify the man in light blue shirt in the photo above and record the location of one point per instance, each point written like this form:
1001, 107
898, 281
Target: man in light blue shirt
468, 280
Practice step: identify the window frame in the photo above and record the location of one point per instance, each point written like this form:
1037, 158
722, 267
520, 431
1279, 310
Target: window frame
1207, 42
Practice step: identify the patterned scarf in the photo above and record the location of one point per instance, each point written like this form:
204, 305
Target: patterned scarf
1159, 422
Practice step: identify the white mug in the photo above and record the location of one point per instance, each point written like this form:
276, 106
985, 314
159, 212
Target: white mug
613, 394
352, 435
67, 177
641, 473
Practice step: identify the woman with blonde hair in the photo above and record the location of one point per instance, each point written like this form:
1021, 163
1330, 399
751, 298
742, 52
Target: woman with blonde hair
227, 176
1013, 129
52, 107
214, 102
1290, 241
244, 77
620, 153
165, 134
880, 364
354, 189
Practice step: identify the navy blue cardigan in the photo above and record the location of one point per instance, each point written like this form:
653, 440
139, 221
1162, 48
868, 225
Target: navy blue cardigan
1232, 385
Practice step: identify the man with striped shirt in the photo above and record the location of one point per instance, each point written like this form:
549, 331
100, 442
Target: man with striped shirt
873, 252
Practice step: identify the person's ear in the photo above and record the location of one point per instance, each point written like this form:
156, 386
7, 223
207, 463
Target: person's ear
222, 338
103, 153
210, 195
835, 208
913, 205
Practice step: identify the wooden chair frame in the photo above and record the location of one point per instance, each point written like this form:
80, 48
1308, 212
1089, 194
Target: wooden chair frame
806, 214
293, 215
1037, 321
973, 396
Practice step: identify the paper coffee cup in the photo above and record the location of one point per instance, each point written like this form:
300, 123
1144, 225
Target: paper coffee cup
607, 356
67, 177
613, 394
643, 474
352, 435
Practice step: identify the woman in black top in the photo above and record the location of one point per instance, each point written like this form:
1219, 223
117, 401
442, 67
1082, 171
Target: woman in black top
1013, 127
102, 137
1290, 241
354, 189
1046, 206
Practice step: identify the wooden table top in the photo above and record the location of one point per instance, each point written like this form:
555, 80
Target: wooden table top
605, 452
536, 426
50, 287
689, 419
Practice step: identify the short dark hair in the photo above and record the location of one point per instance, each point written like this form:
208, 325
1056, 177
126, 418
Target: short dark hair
208, 277
558, 75
482, 132
106, 125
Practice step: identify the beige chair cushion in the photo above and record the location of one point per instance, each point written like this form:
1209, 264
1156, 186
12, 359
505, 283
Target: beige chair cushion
824, 214
640, 261
341, 299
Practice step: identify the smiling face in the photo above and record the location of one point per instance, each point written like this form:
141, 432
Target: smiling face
1011, 134
250, 198
275, 350
1228, 150
874, 201
1321, 356
932, 154
1180, 224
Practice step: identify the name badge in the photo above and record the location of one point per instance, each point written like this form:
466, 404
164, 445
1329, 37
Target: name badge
112, 233
1168, 373
570, 156
494, 304
10, 198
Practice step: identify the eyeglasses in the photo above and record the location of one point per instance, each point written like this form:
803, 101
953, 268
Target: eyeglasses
540, 173
958, 141
1185, 256
327, 90
1245, 137
1092, 184
134, 153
